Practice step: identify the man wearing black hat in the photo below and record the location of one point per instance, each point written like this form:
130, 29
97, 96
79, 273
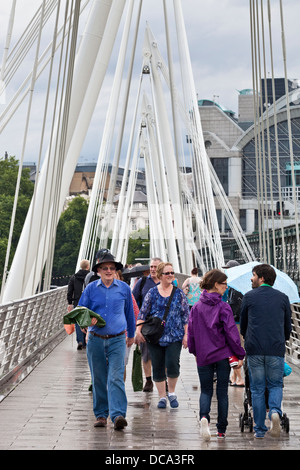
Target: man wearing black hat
94, 276
111, 299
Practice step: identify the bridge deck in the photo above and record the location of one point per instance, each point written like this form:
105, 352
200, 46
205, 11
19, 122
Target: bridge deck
52, 409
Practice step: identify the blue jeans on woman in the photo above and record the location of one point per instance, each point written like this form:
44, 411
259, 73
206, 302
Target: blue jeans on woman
265, 372
106, 359
206, 376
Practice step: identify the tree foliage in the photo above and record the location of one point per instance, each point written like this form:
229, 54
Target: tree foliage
138, 247
69, 230
68, 240
9, 168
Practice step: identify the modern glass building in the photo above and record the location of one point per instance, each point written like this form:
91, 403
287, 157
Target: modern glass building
237, 148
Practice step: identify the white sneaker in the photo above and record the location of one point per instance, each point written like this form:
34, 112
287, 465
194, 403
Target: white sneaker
205, 429
275, 425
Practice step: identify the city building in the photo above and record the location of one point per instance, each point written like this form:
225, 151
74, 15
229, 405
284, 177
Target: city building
231, 144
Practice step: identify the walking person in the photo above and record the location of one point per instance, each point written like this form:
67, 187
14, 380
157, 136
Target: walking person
139, 291
191, 287
118, 275
213, 337
75, 288
266, 326
94, 276
110, 298
165, 355
234, 299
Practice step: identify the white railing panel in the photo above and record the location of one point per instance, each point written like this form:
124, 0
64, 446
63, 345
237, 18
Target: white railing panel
27, 325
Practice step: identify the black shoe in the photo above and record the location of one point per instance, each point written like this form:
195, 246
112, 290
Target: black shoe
120, 422
148, 386
79, 347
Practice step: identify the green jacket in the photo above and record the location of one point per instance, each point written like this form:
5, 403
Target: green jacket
83, 317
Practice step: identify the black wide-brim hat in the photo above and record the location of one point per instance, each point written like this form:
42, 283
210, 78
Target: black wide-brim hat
108, 258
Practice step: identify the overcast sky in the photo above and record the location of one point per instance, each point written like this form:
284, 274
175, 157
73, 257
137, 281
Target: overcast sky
218, 33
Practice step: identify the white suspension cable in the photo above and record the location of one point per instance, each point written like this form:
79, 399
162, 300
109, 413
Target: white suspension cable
13, 216
70, 62
157, 238
27, 39
268, 177
49, 168
186, 63
276, 132
116, 93
119, 215
23, 90
289, 133
94, 217
79, 118
7, 42
38, 166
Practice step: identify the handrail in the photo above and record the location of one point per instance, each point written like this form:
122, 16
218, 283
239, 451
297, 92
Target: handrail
293, 345
27, 326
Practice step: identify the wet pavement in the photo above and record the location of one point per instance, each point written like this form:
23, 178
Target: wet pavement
52, 410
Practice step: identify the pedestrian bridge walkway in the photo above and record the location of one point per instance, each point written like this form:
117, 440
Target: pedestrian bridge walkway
52, 410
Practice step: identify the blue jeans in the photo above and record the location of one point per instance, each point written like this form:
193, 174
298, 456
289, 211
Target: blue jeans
265, 372
106, 359
80, 336
206, 376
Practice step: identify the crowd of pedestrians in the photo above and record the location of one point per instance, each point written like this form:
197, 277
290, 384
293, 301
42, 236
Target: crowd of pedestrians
201, 316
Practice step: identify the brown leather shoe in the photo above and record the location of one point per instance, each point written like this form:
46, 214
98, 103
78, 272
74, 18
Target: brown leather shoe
100, 423
120, 422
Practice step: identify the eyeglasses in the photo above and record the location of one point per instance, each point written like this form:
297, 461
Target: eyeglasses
224, 283
106, 268
167, 274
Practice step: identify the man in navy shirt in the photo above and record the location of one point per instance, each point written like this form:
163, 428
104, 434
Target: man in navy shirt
266, 326
111, 299
139, 291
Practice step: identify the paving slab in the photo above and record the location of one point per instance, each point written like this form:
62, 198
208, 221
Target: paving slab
52, 410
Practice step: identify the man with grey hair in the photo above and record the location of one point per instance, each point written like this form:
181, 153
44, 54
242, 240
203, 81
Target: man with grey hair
141, 288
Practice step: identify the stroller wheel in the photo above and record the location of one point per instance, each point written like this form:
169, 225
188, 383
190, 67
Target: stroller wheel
285, 423
250, 424
242, 424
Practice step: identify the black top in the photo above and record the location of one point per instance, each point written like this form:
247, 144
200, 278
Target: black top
265, 321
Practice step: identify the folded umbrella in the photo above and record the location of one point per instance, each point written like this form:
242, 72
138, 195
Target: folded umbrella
239, 278
83, 317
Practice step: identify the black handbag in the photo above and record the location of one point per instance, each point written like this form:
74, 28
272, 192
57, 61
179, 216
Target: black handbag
153, 327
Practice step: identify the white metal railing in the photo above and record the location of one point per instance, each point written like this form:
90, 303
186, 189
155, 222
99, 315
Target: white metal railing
288, 192
27, 326
293, 345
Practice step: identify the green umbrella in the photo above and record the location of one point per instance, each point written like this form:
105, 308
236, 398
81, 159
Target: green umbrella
83, 317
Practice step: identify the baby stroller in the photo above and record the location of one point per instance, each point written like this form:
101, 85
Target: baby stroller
246, 418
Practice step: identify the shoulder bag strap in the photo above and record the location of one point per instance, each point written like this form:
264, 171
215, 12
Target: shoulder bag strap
169, 303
